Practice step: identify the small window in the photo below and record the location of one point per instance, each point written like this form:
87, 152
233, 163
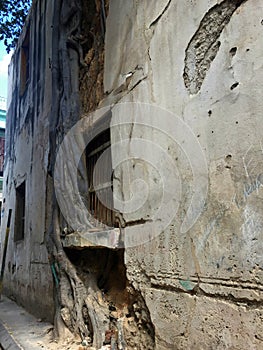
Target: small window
24, 63
19, 231
98, 210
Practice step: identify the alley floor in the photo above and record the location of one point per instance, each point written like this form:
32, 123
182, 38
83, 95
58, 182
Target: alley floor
21, 330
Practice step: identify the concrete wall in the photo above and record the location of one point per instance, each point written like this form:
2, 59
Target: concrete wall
201, 61
27, 276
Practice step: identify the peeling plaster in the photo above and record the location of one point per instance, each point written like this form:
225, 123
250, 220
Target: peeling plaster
204, 45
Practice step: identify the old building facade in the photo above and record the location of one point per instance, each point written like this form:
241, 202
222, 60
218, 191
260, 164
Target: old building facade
159, 245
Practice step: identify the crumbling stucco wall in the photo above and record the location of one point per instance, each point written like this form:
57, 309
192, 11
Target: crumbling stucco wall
27, 278
199, 288
201, 60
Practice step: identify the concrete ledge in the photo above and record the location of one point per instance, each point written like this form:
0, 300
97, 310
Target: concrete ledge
7, 342
96, 238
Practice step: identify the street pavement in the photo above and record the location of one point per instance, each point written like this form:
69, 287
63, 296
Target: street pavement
21, 330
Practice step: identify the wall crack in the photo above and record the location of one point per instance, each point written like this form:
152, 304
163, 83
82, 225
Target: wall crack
154, 22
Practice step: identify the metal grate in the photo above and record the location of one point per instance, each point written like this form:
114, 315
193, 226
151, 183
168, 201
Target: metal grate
99, 211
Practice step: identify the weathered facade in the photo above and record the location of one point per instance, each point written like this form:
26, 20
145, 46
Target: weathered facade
27, 272
179, 87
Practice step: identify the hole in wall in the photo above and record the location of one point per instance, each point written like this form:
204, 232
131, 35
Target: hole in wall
234, 86
128, 312
233, 51
228, 161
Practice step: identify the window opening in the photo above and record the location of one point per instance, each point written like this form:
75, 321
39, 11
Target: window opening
19, 231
